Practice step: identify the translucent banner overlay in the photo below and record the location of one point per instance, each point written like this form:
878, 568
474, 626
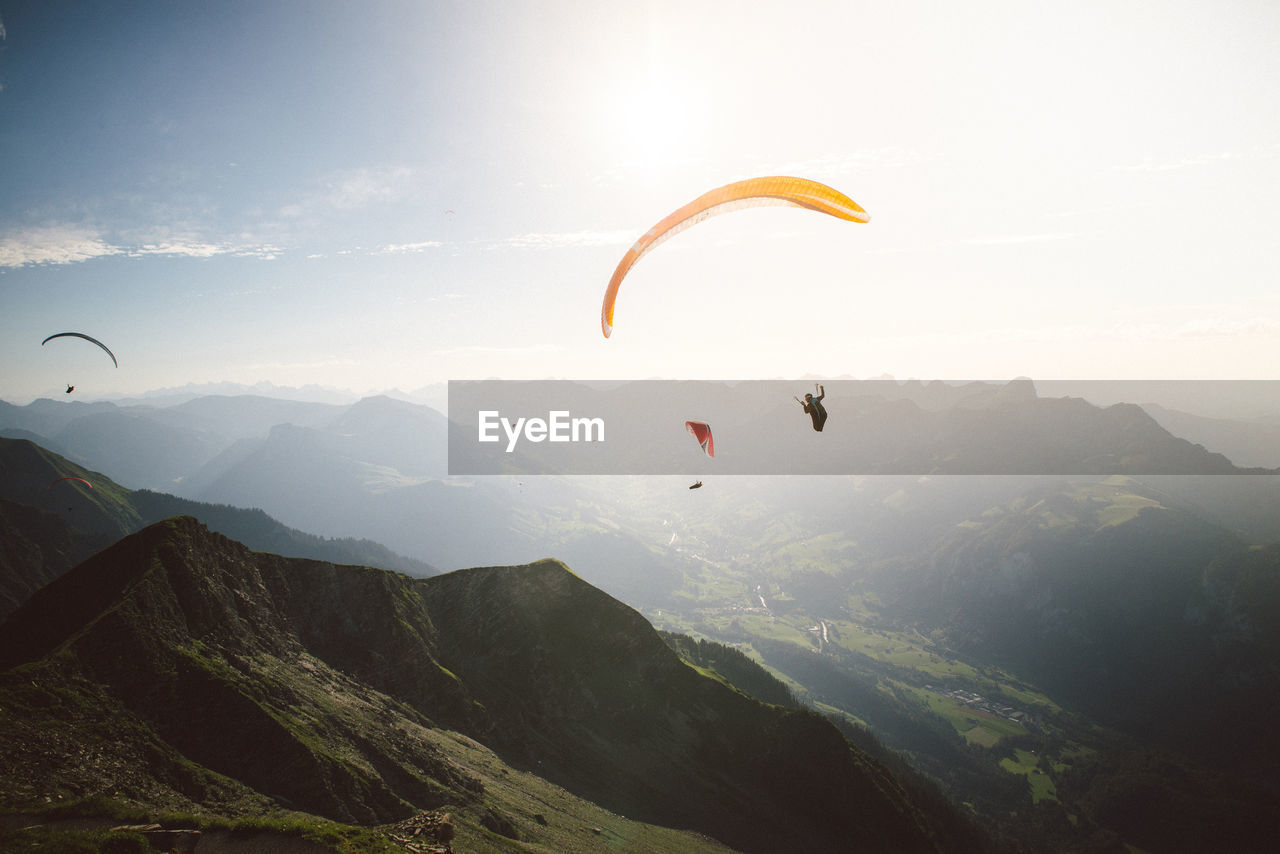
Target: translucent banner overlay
872, 427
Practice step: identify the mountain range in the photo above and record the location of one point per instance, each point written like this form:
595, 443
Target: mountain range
51, 523
873, 428
1078, 662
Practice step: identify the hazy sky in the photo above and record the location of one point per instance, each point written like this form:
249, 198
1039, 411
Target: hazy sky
376, 194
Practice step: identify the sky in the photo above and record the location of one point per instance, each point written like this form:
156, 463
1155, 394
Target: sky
376, 195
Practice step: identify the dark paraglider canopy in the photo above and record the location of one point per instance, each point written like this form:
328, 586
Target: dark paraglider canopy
85, 337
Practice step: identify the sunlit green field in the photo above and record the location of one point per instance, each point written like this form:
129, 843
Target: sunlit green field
1027, 764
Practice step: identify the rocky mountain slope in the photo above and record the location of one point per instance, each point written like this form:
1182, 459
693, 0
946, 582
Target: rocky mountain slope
181, 670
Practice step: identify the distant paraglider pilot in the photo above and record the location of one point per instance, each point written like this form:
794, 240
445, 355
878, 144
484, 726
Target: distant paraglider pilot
813, 407
697, 485
70, 388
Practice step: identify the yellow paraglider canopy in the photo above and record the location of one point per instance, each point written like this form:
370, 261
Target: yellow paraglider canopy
771, 190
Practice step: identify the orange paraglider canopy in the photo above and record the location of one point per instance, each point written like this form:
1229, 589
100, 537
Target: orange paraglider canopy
753, 192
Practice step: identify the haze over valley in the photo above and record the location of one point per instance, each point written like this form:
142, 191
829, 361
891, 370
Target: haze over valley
1027, 649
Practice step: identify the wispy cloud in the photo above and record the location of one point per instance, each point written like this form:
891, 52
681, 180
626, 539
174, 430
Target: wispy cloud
353, 190
565, 240
266, 252
1195, 161
366, 186
408, 248
415, 248
53, 244
188, 249
71, 244
1224, 327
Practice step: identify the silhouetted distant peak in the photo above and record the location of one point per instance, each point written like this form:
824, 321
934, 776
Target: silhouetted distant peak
1023, 388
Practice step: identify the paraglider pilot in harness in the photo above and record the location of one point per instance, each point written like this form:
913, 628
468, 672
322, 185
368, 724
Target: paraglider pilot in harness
813, 407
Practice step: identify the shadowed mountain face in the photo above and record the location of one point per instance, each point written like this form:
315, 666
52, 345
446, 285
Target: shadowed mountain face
646, 733
52, 522
1142, 616
232, 675
35, 548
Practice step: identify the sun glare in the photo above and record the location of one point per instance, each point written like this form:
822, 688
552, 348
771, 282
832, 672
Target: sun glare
650, 121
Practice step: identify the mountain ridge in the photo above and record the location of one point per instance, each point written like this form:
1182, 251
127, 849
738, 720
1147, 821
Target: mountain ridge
95, 516
228, 657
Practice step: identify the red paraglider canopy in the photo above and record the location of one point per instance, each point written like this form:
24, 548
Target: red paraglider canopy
702, 432
59, 479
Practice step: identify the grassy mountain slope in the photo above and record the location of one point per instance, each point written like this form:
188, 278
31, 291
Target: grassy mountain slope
231, 677
647, 733
1131, 611
987, 629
